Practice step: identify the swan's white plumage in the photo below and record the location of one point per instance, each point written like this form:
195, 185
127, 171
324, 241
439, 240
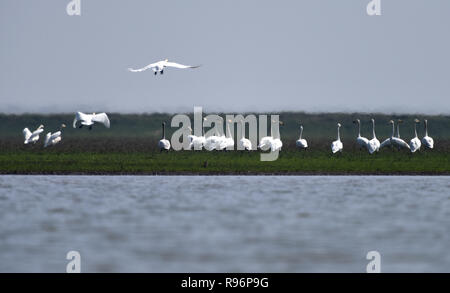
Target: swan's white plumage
337, 145
160, 65
245, 144
374, 144
301, 143
427, 141
90, 119
163, 143
32, 137
360, 140
265, 143
414, 143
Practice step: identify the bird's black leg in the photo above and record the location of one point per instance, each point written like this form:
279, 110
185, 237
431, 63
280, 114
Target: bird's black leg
162, 72
90, 127
80, 126
156, 72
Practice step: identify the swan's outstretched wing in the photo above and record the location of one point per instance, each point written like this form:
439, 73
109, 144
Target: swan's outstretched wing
26, 133
181, 66
55, 135
143, 68
47, 139
37, 131
385, 143
101, 118
78, 117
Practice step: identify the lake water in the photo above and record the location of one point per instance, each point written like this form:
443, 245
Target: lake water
224, 223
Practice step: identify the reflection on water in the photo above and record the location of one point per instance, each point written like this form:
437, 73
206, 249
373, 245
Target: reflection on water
224, 223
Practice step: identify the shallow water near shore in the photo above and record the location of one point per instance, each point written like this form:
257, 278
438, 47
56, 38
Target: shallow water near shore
224, 223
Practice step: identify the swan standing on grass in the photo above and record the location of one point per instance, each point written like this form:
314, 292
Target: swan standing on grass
196, 141
221, 142
244, 143
32, 137
414, 143
426, 140
268, 142
337, 146
161, 65
374, 144
212, 142
229, 141
361, 141
301, 143
163, 143
397, 141
90, 119
389, 141
52, 139
226, 141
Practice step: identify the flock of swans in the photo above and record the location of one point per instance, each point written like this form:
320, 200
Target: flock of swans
222, 142
54, 138
393, 141
226, 141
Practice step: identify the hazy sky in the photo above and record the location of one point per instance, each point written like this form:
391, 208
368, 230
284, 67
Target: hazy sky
310, 55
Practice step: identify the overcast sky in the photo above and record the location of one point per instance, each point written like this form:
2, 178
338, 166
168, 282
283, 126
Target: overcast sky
310, 55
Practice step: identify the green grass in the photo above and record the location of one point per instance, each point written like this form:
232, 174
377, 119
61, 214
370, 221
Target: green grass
290, 161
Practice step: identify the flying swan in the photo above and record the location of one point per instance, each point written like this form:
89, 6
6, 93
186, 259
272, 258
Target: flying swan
90, 119
52, 139
161, 65
32, 137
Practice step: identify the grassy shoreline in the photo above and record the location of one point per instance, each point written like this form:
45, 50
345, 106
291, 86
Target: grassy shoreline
290, 162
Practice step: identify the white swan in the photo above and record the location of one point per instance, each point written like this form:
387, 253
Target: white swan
397, 141
360, 140
374, 144
227, 141
427, 141
389, 141
244, 143
90, 119
32, 137
52, 139
163, 143
197, 141
268, 142
213, 142
414, 143
160, 65
337, 146
301, 143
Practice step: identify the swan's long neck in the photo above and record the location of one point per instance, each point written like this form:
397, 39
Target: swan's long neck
415, 129
163, 132
339, 135
398, 130
426, 128
359, 129
301, 132
373, 129
393, 130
